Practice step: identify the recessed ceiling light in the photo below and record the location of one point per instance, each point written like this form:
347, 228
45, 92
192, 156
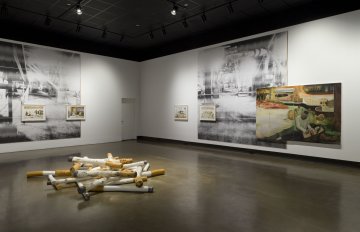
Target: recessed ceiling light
174, 10
186, 4
137, 25
78, 9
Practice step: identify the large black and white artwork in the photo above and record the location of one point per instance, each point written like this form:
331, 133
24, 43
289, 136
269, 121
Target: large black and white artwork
228, 77
37, 76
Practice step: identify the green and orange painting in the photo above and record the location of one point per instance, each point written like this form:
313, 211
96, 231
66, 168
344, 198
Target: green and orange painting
308, 113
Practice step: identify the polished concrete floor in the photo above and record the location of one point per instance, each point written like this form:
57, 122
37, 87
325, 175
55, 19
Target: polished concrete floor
204, 189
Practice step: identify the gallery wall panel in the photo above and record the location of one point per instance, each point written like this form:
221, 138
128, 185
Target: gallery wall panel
103, 81
37, 76
319, 52
228, 77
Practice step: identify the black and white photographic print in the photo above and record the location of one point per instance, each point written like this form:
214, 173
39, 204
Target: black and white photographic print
31, 75
228, 77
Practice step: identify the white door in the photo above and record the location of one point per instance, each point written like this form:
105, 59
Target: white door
128, 123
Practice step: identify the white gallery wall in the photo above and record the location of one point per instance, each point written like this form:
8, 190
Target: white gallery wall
322, 51
104, 81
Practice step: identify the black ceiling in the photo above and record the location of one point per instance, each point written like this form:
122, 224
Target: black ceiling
122, 28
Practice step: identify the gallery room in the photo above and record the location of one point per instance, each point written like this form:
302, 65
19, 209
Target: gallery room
179, 115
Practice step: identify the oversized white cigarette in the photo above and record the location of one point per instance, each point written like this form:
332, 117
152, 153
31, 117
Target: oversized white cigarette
101, 162
146, 167
52, 180
152, 173
110, 156
121, 160
140, 163
144, 189
76, 166
124, 181
92, 173
124, 160
138, 180
85, 187
67, 180
139, 170
56, 184
46, 173
94, 169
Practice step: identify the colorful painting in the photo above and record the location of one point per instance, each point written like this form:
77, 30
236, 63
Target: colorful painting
308, 113
228, 77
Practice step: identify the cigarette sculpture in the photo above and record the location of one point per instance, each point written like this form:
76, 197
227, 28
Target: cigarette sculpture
110, 174
82, 173
46, 173
153, 173
125, 181
138, 180
146, 167
101, 162
144, 189
84, 188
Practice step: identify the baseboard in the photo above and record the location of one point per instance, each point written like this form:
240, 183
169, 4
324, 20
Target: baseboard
252, 151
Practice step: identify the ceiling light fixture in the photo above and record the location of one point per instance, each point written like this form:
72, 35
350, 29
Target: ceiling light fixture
174, 10
104, 34
230, 8
47, 21
185, 24
78, 9
78, 27
163, 30
203, 17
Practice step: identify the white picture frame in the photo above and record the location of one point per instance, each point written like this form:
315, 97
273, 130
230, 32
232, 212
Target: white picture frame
75, 112
208, 112
181, 113
33, 113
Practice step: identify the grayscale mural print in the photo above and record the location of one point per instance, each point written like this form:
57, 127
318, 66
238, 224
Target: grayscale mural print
37, 76
228, 77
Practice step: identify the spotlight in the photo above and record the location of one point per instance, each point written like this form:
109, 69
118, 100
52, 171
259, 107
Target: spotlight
78, 9
163, 30
203, 17
230, 8
174, 10
104, 34
185, 24
78, 27
47, 21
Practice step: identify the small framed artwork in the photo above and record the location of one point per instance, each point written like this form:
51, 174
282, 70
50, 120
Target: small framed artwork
75, 112
33, 113
181, 113
208, 112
